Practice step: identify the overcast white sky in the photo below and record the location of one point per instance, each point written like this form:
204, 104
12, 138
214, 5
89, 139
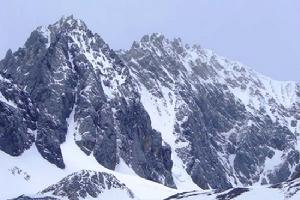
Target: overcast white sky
263, 34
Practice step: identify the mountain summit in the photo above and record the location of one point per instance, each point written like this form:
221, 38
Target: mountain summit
162, 113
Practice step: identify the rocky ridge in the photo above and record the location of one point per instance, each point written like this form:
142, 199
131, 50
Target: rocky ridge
175, 114
228, 122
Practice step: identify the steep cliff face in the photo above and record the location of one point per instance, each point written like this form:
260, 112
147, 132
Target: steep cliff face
17, 118
165, 111
65, 66
229, 124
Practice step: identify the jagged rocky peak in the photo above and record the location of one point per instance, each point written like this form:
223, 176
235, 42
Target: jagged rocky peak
70, 23
70, 32
179, 59
177, 114
66, 70
64, 25
154, 37
206, 67
159, 42
232, 104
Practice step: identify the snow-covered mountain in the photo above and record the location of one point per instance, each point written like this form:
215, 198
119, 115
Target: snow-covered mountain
221, 118
81, 121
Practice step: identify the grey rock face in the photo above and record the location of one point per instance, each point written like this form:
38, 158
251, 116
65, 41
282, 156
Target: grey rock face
228, 122
65, 67
215, 114
86, 183
14, 138
148, 157
17, 119
229, 141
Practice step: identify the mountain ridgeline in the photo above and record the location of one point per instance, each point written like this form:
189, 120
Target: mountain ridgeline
174, 114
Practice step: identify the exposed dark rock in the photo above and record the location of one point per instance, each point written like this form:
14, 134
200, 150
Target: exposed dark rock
85, 183
65, 66
228, 139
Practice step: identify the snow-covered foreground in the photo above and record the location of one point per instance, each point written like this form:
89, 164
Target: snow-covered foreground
15, 171
30, 173
251, 193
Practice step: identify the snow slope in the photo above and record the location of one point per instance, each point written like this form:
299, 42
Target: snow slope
42, 173
162, 113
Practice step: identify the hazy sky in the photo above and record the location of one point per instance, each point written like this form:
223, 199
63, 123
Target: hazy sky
263, 34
